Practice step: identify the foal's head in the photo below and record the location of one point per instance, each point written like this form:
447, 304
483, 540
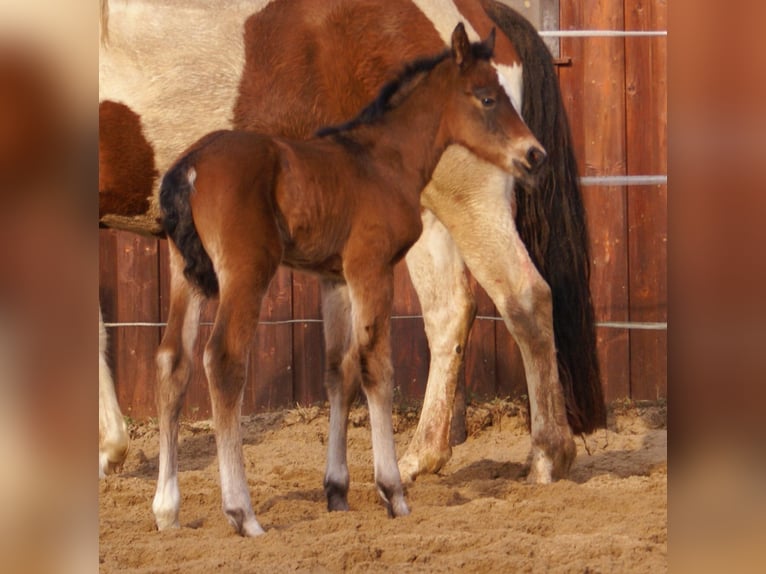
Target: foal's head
479, 114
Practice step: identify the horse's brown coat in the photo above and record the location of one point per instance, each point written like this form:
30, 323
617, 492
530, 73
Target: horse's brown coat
286, 38
126, 162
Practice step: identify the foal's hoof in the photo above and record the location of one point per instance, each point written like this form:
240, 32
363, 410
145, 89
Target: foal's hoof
166, 522
337, 504
251, 529
337, 497
243, 524
165, 513
394, 499
397, 508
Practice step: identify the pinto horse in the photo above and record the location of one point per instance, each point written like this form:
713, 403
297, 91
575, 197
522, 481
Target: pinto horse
344, 205
527, 246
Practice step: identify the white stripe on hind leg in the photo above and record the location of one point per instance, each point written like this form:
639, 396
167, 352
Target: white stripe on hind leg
174, 369
387, 477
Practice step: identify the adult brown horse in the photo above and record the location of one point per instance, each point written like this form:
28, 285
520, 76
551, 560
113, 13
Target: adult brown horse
283, 79
344, 205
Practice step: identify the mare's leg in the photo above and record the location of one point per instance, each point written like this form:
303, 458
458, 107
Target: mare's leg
225, 359
438, 275
113, 437
341, 390
371, 295
474, 201
174, 370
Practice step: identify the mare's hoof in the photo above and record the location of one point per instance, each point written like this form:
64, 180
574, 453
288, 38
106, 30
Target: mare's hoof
549, 465
413, 464
111, 458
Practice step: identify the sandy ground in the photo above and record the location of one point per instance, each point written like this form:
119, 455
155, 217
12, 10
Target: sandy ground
478, 515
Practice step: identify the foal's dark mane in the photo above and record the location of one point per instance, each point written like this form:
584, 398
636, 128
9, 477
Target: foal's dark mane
387, 96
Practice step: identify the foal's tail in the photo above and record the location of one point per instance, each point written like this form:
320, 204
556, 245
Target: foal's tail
551, 222
177, 222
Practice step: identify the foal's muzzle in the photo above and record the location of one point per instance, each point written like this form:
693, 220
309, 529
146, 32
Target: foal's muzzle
535, 157
527, 168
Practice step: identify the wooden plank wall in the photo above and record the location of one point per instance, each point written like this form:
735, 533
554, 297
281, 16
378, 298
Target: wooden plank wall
615, 92
647, 121
594, 89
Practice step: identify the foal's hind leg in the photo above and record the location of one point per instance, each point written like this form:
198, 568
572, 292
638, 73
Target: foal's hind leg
341, 390
225, 362
174, 369
370, 354
225, 358
472, 192
438, 275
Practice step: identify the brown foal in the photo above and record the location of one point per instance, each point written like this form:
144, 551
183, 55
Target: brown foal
344, 205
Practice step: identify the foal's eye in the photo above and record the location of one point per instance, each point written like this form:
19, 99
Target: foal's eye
487, 102
486, 96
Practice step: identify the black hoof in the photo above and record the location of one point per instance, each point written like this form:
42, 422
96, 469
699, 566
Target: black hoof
337, 496
393, 497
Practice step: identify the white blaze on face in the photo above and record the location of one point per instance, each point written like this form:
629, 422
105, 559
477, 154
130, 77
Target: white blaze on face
445, 16
511, 79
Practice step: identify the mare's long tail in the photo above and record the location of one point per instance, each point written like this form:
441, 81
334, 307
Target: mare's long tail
178, 224
551, 222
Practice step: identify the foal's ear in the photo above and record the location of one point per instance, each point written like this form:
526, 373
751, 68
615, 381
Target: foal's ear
489, 42
461, 46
